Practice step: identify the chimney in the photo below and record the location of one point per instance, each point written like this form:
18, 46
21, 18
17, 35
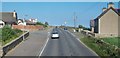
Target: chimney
14, 14
104, 9
110, 4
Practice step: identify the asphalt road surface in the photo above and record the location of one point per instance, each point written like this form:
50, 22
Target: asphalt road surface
32, 46
66, 45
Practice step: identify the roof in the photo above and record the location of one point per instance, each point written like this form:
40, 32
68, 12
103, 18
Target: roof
29, 22
117, 11
8, 17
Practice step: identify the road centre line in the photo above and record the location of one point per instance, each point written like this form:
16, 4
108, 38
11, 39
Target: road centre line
44, 46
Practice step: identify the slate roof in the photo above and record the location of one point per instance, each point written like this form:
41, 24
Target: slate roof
117, 11
8, 17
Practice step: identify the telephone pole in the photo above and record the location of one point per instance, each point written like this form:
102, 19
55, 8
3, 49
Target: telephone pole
75, 17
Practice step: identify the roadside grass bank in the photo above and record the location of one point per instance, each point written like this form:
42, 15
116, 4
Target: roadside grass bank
112, 40
102, 49
9, 34
0, 35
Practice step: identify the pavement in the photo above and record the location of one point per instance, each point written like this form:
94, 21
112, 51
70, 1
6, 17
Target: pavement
66, 45
32, 46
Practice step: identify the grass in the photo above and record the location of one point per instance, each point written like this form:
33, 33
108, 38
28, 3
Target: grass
91, 43
12, 38
112, 40
9, 34
100, 49
0, 34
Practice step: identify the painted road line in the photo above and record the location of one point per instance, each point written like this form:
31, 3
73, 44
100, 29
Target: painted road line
44, 46
84, 44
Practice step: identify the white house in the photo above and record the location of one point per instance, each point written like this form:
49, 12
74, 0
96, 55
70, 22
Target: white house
1, 24
33, 20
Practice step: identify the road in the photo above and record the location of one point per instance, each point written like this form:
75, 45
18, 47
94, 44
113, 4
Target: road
66, 45
32, 46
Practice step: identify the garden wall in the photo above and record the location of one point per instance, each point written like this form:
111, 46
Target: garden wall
28, 27
12, 44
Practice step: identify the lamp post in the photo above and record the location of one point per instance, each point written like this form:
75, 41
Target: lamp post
24, 24
23, 28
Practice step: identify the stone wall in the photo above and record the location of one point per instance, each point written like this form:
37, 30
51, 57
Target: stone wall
28, 27
88, 33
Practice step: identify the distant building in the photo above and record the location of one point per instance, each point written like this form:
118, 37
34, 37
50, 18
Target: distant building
8, 18
33, 20
21, 22
27, 22
106, 24
92, 25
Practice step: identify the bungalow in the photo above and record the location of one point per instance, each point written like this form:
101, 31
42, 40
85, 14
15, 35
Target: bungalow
9, 18
106, 24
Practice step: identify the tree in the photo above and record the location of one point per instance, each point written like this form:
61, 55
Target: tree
46, 23
80, 26
85, 28
39, 23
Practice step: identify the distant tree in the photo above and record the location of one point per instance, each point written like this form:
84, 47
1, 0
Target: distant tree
39, 23
85, 28
46, 23
80, 26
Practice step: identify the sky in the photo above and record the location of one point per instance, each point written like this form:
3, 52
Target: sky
60, 0
56, 13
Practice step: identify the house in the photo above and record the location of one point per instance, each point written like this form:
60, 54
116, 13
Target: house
33, 20
1, 24
92, 25
9, 18
27, 22
106, 24
21, 22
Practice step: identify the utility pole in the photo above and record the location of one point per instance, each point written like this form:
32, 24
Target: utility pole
24, 24
65, 22
75, 17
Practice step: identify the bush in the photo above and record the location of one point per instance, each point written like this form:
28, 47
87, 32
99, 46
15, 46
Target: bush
39, 23
9, 34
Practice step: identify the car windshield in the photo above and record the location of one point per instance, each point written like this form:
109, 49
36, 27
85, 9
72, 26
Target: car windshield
54, 33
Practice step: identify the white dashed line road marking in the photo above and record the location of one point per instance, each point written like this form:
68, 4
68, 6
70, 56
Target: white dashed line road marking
44, 46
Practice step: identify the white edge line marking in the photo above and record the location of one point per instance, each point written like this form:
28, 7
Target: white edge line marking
44, 46
84, 44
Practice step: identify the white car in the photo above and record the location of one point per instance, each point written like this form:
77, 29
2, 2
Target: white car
55, 35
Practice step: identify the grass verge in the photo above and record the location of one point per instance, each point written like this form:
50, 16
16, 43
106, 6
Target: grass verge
9, 34
112, 40
12, 38
100, 48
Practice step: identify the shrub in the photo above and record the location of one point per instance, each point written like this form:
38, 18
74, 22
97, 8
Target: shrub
9, 34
